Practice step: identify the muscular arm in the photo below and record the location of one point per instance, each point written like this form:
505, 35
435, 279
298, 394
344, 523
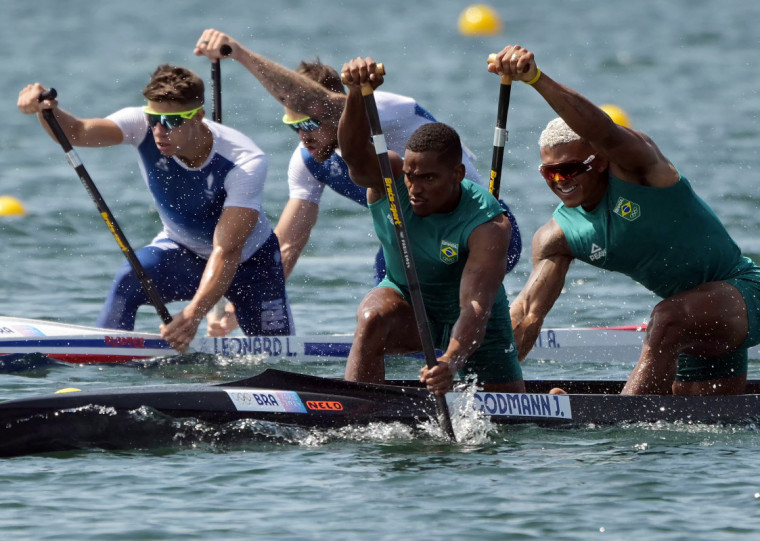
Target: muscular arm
632, 155
481, 280
354, 133
551, 260
90, 132
234, 227
293, 90
293, 230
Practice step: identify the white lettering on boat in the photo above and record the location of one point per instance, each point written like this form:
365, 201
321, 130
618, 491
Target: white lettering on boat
266, 400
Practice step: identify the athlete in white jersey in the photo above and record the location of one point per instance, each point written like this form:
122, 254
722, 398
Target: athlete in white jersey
314, 98
206, 180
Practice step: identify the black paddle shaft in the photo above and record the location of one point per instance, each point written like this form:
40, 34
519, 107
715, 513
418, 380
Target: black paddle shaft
73, 158
418, 304
500, 136
216, 84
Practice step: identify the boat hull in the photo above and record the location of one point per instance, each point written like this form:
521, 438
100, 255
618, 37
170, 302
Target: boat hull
149, 417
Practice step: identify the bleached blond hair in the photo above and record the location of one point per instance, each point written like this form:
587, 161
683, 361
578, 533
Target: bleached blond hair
557, 132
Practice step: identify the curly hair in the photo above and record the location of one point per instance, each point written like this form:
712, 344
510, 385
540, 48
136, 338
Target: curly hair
175, 84
557, 132
437, 137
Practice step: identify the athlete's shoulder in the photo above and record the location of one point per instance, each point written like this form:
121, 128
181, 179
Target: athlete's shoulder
233, 144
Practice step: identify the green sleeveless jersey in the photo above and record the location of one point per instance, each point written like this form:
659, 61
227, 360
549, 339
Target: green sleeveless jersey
439, 247
667, 239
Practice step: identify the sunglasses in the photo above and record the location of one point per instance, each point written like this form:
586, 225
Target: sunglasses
555, 172
306, 123
170, 120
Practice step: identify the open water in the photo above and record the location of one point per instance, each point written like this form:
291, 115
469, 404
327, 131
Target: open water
686, 72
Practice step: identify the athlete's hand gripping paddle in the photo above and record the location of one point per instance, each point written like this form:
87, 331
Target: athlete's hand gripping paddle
410, 271
73, 158
501, 135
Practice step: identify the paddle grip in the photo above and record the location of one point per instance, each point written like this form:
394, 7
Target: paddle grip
379, 70
505, 79
225, 50
49, 94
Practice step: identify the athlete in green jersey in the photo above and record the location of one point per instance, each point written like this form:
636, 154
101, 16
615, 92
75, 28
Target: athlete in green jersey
459, 237
626, 208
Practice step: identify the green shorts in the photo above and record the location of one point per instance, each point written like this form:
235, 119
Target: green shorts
693, 368
748, 284
495, 361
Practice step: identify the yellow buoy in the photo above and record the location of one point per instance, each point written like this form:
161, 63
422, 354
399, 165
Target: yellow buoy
618, 115
10, 206
479, 20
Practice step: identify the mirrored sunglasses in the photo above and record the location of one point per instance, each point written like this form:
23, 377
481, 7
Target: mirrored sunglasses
170, 120
556, 172
306, 123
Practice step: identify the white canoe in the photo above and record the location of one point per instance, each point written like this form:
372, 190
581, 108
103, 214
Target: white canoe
81, 344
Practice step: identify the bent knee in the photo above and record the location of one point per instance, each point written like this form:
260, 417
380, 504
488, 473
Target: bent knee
372, 318
667, 322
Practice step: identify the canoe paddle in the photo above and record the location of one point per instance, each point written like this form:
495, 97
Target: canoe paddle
216, 114
73, 158
216, 84
402, 238
500, 135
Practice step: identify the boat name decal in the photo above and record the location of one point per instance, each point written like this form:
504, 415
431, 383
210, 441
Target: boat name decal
266, 400
324, 405
272, 346
125, 342
524, 405
547, 339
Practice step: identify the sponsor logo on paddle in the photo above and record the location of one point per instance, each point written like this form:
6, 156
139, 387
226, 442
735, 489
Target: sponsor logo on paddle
392, 201
324, 405
449, 252
627, 209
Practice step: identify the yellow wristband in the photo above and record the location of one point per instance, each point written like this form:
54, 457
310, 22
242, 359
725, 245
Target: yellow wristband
533, 81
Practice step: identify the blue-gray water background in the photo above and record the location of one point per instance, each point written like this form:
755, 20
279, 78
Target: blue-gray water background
685, 71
